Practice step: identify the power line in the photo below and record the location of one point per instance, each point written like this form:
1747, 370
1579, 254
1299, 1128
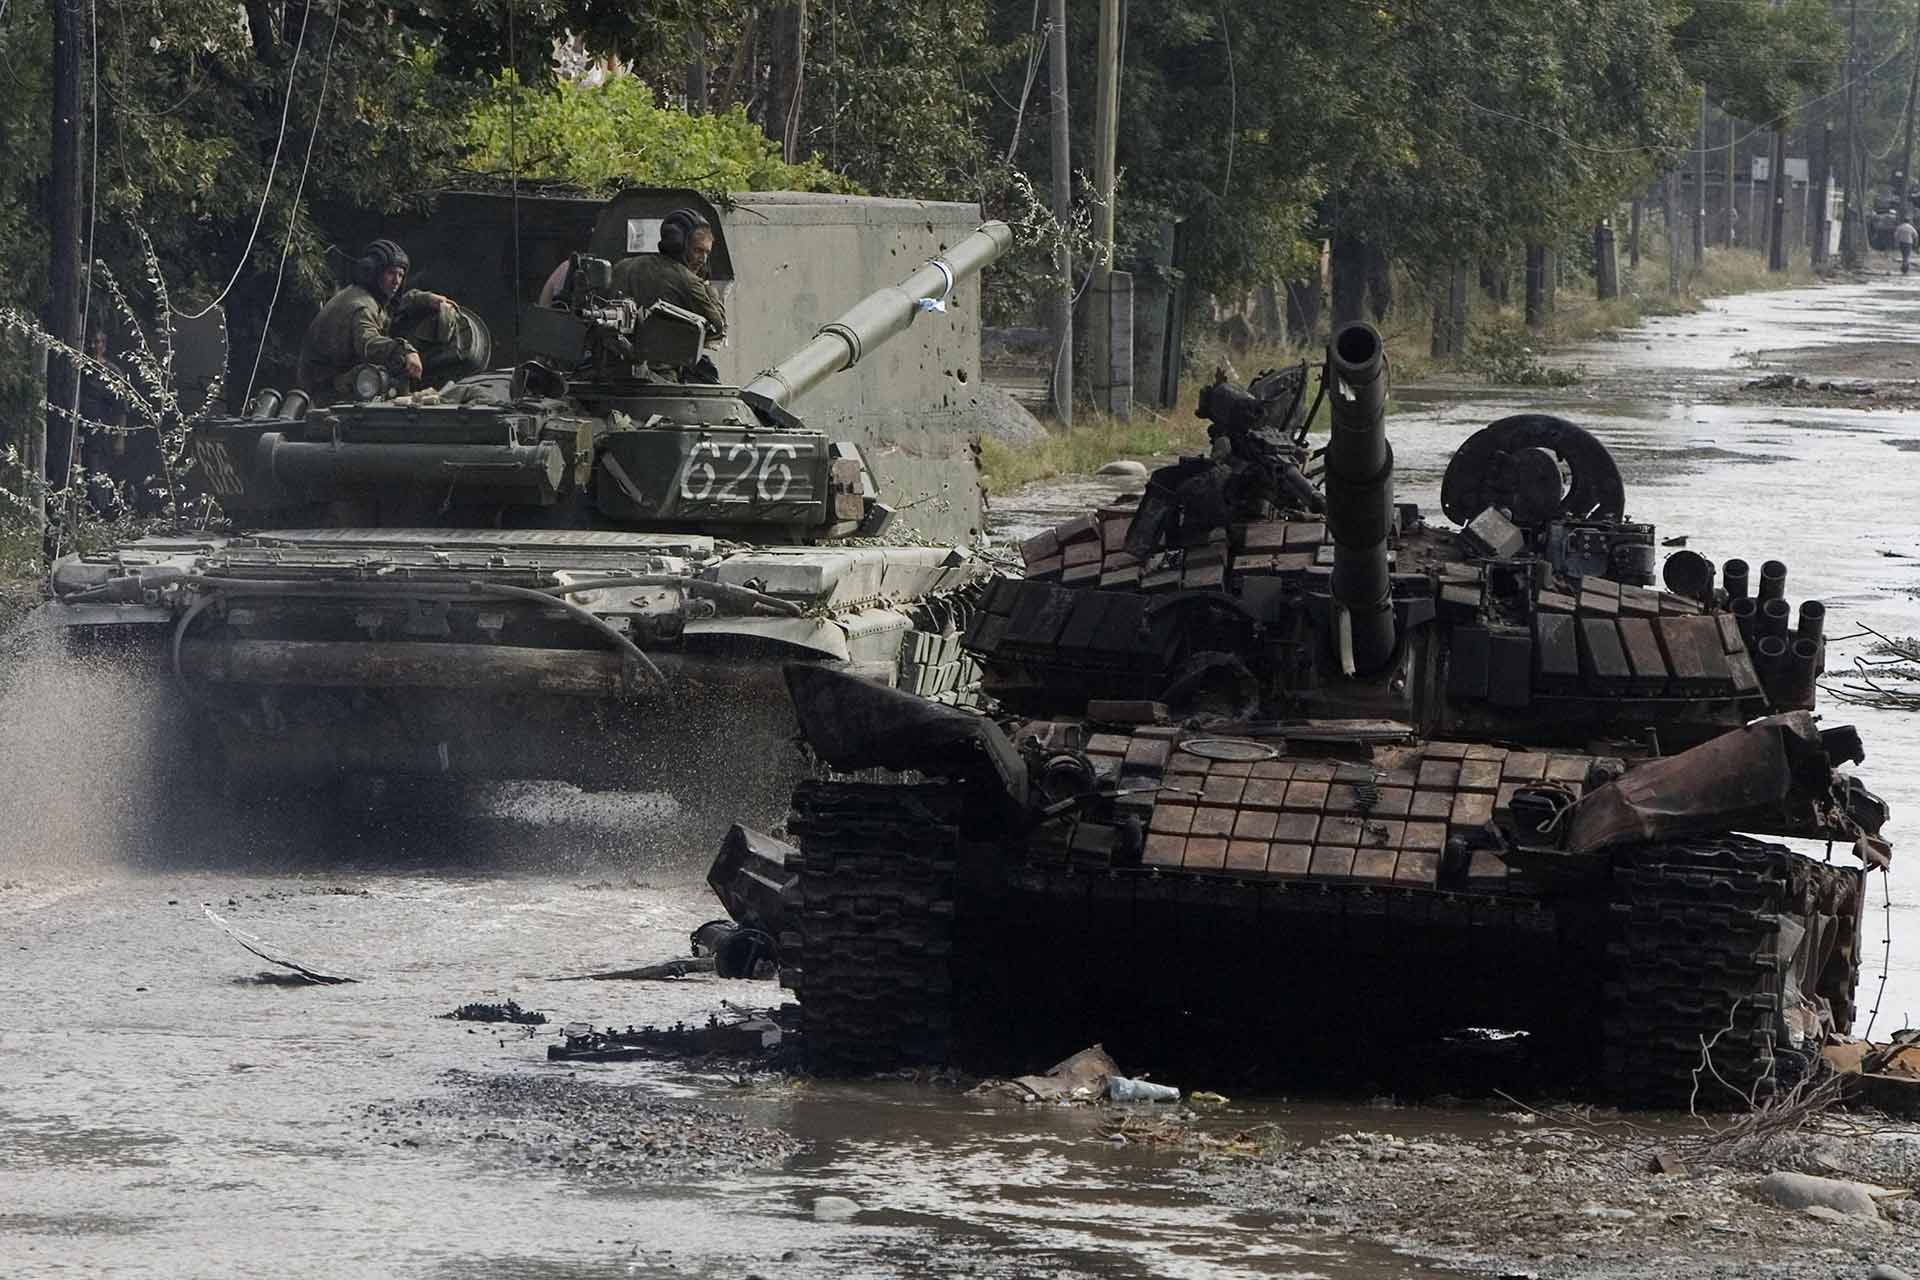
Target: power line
86, 290
293, 214
306, 12
1763, 127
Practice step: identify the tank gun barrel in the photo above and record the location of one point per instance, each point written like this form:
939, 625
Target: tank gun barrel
1359, 484
879, 317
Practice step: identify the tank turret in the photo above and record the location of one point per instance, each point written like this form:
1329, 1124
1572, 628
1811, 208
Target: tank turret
1533, 616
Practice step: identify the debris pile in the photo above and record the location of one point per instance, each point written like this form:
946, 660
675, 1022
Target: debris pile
1090, 1075
508, 1012
760, 1038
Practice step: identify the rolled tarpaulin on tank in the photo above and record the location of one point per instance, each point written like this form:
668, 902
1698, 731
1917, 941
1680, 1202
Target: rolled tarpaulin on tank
527, 474
1359, 484
879, 316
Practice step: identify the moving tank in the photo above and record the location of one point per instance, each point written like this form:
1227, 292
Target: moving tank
579, 569
1287, 779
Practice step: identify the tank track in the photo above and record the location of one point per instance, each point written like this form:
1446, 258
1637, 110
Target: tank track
872, 967
1695, 958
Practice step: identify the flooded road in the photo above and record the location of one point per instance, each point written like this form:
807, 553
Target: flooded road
166, 1111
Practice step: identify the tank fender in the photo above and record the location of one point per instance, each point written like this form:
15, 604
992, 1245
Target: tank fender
1773, 776
853, 724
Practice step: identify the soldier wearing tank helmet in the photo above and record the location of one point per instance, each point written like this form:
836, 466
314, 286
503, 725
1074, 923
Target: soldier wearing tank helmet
362, 324
675, 274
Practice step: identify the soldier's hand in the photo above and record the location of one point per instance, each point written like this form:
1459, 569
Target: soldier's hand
414, 368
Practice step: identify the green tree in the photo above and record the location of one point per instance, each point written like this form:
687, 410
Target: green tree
603, 137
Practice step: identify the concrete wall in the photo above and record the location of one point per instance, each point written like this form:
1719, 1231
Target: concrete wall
799, 260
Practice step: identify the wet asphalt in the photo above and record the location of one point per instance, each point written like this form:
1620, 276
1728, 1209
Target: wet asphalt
166, 1110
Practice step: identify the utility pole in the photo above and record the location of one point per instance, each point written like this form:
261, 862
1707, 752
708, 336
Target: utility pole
1669, 213
696, 72
1849, 214
1777, 186
787, 38
1824, 196
1062, 215
1111, 339
1700, 189
1906, 143
55, 443
1732, 231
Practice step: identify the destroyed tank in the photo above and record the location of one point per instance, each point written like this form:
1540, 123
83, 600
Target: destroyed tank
581, 569
1286, 779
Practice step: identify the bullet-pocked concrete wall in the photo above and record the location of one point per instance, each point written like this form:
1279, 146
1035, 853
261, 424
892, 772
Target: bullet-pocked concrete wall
799, 260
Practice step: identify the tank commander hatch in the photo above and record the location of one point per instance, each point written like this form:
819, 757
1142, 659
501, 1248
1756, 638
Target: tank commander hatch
371, 323
677, 274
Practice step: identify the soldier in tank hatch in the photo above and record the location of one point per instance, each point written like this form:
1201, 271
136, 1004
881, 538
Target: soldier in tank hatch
675, 273
410, 335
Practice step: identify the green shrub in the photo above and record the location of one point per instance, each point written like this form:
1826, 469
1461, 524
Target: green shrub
604, 137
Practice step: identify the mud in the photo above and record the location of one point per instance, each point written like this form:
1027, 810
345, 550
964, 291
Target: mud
1892, 361
1551, 1199
558, 1124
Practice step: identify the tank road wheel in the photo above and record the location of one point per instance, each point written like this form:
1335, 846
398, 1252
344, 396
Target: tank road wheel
1715, 944
877, 883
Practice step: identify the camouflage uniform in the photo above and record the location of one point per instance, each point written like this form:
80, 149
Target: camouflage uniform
355, 329
654, 277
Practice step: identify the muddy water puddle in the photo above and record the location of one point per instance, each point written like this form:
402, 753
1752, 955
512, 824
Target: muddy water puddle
158, 1108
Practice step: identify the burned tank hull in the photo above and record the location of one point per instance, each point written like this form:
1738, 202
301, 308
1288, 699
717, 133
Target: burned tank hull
1294, 791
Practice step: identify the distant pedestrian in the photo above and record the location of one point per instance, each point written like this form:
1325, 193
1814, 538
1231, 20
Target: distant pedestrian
1904, 235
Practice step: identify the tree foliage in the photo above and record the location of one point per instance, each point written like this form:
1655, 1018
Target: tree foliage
1430, 128
606, 136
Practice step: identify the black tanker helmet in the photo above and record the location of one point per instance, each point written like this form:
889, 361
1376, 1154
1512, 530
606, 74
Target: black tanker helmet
374, 260
676, 229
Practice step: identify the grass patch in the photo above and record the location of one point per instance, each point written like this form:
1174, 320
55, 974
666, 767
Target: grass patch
1099, 438
1096, 439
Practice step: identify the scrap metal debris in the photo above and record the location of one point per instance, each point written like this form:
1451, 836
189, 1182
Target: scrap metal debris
261, 948
508, 1012
1088, 1076
1779, 772
680, 967
1888, 676
1886, 1076
758, 1034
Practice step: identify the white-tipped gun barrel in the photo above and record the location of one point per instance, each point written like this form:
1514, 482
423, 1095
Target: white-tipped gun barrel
880, 316
1359, 484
